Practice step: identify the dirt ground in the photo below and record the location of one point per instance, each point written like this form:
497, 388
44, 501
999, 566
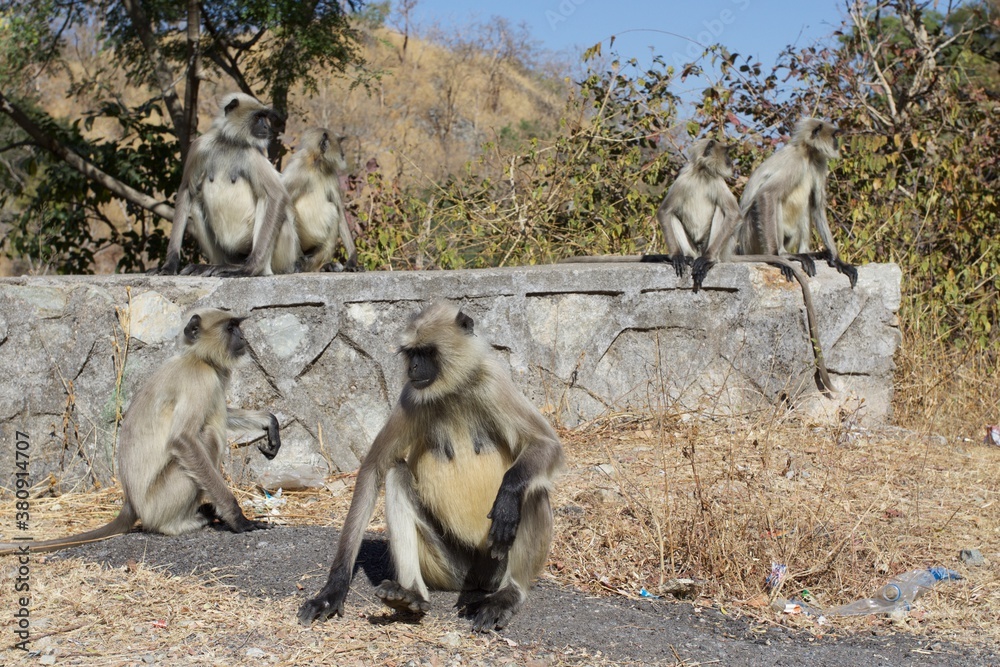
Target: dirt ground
640, 502
558, 624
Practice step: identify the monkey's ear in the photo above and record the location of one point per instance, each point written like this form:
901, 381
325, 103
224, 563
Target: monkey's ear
816, 131
709, 146
324, 143
465, 323
193, 329
232, 105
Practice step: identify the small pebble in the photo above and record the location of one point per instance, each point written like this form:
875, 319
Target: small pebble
972, 557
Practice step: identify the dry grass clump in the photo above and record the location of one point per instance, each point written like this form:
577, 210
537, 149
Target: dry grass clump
945, 388
844, 510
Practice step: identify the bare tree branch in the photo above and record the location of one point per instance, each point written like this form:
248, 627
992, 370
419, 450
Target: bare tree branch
220, 55
87, 169
861, 25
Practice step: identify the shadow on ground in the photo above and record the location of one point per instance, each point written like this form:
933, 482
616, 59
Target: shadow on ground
263, 564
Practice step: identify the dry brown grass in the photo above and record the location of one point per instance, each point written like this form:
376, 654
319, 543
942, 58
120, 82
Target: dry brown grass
86, 615
430, 110
843, 510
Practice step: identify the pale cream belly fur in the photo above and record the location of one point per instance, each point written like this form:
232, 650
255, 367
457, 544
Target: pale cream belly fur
460, 492
794, 208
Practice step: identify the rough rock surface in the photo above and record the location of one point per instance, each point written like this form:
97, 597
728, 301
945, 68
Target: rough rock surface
580, 340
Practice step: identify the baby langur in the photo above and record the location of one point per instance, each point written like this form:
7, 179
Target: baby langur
786, 196
699, 214
173, 437
467, 463
233, 198
313, 181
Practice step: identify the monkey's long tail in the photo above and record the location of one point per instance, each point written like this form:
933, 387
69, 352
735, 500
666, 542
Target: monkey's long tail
119, 525
601, 259
617, 259
822, 377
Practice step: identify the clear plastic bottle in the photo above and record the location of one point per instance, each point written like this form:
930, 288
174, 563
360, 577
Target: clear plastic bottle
898, 593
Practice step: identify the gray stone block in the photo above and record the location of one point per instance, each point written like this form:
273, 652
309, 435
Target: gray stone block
580, 340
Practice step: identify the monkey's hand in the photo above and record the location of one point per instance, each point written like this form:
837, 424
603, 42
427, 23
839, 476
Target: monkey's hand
270, 450
700, 270
245, 525
786, 271
506, 516
680, 263
847, 269
330, 600
808, 265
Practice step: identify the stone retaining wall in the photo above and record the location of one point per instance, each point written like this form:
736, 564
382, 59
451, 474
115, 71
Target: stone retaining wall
580, 340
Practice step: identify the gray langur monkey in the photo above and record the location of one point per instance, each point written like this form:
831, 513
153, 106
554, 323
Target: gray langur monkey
467, 463
173, 437
312, 178
786, 196
233, 199
698, 215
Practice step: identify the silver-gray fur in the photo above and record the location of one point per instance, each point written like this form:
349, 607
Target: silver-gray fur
173, 438
699, 215
312, 178
467, 464
233, 199
786, 196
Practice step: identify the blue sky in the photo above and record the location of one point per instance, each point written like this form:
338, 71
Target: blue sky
758, 27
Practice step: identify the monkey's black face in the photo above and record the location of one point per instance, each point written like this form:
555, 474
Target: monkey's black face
237, 343
262, 123
421, 366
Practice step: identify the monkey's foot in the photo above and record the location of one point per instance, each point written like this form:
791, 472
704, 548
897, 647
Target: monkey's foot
397, 597
808, 265
207, 511
214, 270
700, 270
496, 609
162, 271
332, 267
